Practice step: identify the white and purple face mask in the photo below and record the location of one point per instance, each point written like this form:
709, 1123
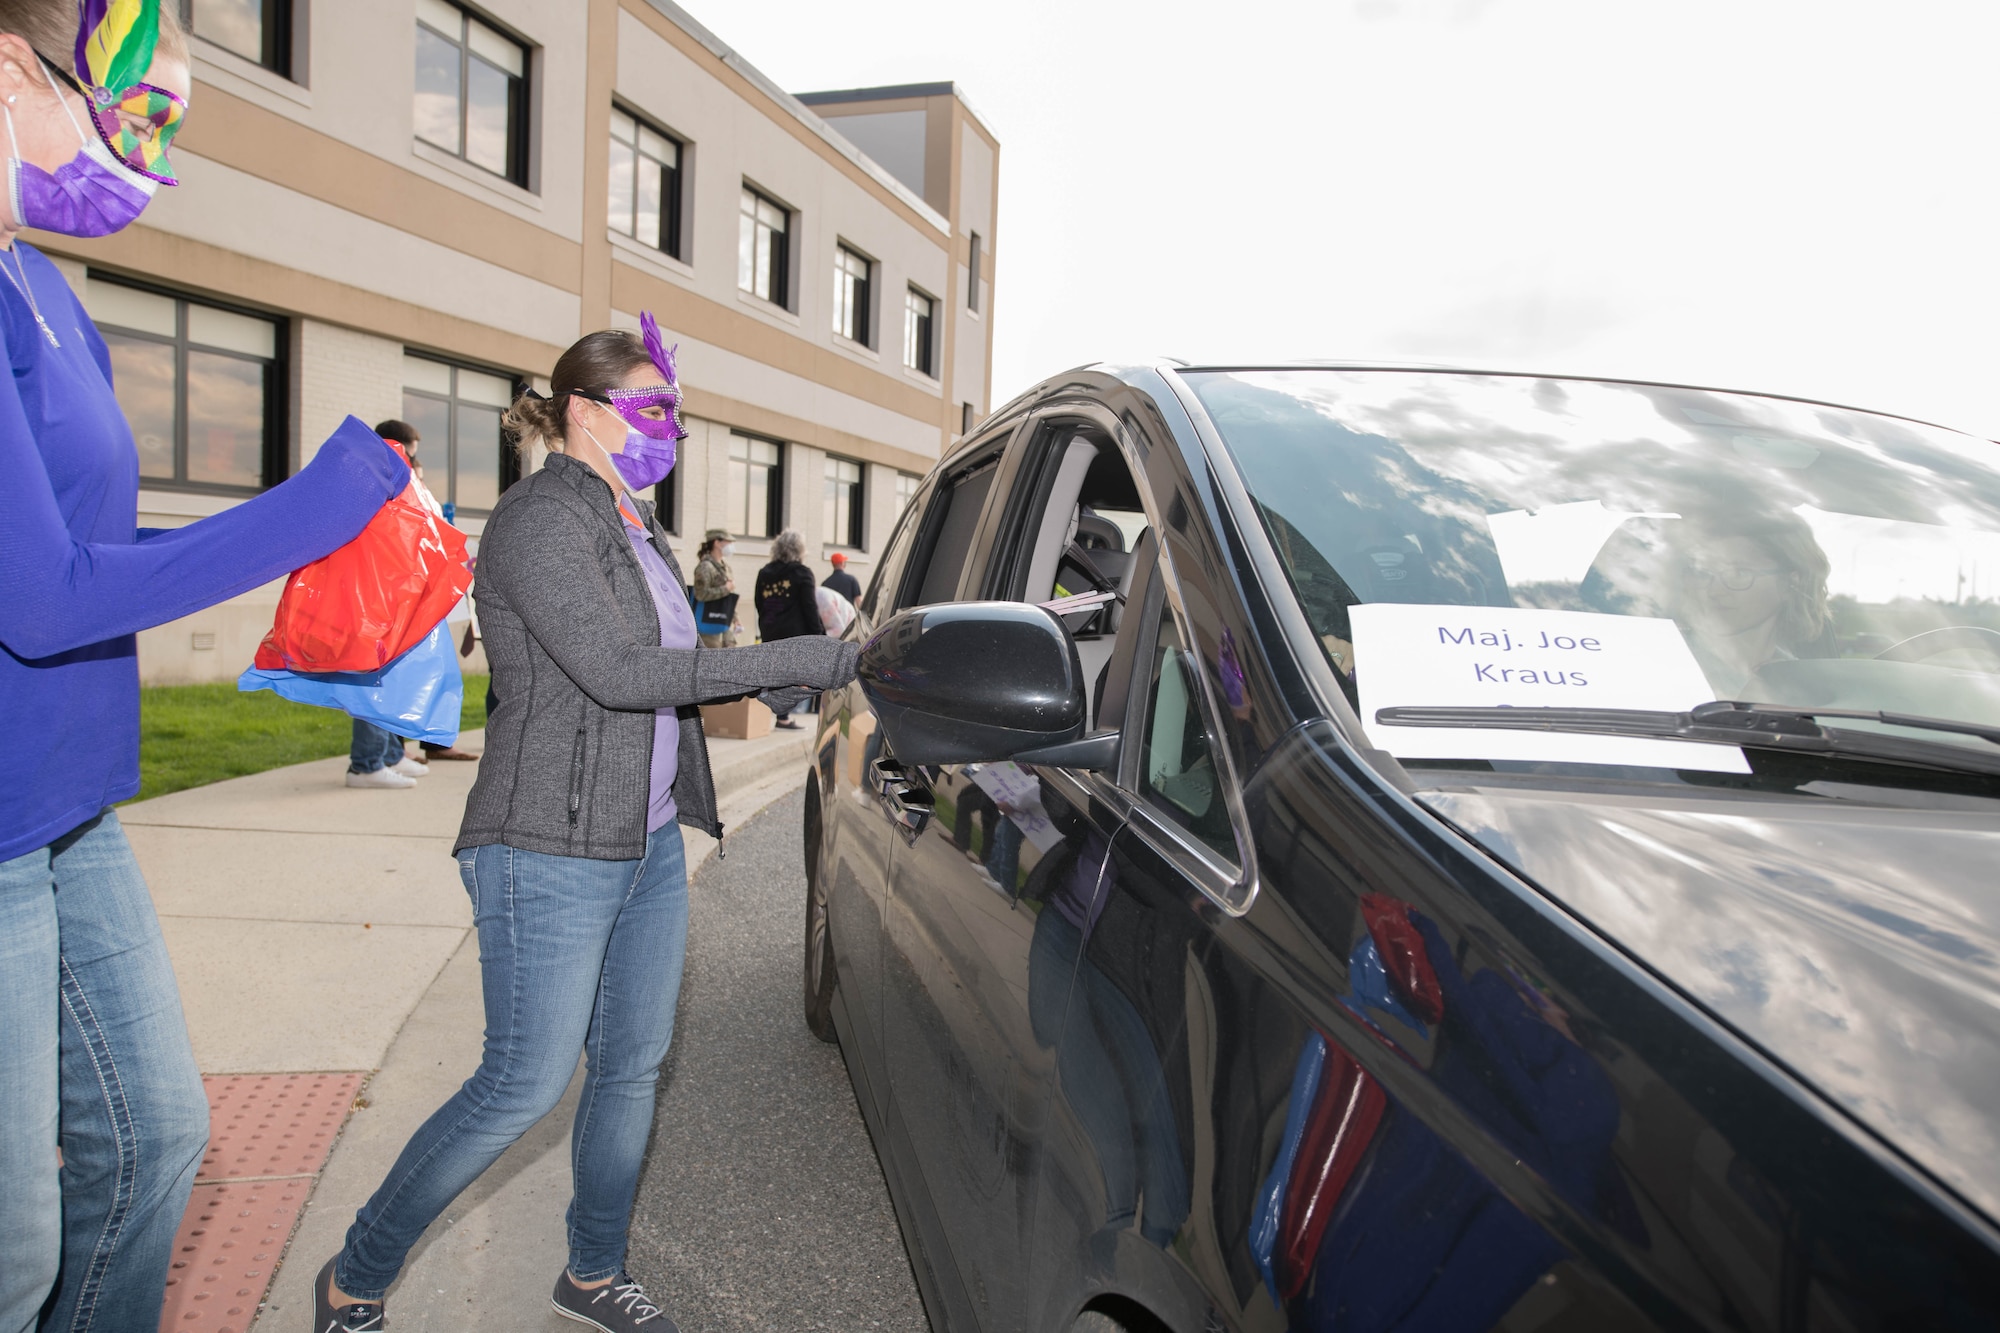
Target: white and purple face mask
93, 194
651, 414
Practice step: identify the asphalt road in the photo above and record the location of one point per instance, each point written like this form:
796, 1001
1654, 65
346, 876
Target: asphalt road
762, 1205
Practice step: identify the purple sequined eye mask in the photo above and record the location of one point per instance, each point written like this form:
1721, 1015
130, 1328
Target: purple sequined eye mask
630, 404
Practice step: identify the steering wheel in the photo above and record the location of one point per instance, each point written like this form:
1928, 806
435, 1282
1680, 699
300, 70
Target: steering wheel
1923, 647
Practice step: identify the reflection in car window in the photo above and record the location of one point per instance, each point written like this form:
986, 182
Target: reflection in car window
955, 520
1176, 763
1811, 556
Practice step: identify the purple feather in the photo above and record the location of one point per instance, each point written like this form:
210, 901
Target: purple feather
90, 14
656, 346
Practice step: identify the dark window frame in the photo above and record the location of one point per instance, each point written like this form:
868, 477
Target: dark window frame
672, 188
920, 342
860, 299
780, 294
283, 26
856, 536
277, 456
509, 470
973, 259
519, 99
774, 494
667, 502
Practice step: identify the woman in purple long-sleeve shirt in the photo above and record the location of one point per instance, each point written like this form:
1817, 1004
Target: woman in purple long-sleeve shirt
94, 1053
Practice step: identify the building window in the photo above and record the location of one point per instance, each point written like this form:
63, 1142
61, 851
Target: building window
842, 525
472, 83
919, 321
756, 486
972, 275
456, 409
667, 502
259, 30
851, 295
764, 249
199, 386
906, 487
645, 183
965, 418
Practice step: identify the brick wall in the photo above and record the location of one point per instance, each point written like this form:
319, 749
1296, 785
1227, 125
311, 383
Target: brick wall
342, 371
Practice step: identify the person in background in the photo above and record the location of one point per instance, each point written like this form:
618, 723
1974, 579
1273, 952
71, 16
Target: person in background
378, 759
840, 580
786, 606
713, 582
836, 613
403, 433
571, 844
103, 1120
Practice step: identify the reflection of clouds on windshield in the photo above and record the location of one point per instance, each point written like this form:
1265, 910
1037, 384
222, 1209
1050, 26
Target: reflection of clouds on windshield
1881, 559
1850, 947
1524, 443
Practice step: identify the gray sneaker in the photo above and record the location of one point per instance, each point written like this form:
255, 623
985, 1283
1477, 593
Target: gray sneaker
614, 1307
361, 1317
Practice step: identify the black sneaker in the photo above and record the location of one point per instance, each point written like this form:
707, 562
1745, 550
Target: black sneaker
614, 1307
360, 1317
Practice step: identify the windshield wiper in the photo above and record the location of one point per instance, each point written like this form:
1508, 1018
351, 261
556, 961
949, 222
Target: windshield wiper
1732, 722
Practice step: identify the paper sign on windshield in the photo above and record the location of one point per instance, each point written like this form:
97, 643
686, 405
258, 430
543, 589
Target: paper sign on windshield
1490, 656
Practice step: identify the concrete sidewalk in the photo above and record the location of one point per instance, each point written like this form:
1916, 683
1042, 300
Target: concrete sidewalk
319, 929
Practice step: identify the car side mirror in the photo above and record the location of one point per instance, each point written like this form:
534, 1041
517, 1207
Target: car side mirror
966, 682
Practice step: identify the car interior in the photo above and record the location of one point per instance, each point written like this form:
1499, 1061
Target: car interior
1092, 536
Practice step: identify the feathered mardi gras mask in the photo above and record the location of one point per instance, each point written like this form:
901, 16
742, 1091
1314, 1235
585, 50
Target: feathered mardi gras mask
632, 404
115, 41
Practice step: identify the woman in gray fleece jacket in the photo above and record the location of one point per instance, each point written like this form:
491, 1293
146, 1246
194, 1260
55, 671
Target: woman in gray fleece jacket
570, 847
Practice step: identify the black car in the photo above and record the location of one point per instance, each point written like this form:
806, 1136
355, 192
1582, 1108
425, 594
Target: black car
1341, 848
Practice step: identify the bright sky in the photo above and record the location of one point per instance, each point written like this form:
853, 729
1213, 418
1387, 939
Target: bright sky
1797, 196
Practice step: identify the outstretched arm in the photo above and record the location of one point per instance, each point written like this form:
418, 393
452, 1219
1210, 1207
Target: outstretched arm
537, 555
57, 593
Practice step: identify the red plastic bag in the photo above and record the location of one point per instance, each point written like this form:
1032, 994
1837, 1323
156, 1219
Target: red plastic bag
373, 599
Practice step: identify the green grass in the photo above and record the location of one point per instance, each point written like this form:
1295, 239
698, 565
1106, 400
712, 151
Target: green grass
192, 735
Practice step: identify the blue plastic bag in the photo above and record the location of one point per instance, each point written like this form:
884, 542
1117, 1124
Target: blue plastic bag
418, 695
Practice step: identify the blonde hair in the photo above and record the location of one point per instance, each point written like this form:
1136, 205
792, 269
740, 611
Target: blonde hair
50, 27
595, 363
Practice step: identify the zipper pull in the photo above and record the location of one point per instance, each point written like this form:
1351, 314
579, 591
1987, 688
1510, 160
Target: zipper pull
721, 850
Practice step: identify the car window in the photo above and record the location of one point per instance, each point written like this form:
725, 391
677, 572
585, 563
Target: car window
950, 525
1177, 769
889, 573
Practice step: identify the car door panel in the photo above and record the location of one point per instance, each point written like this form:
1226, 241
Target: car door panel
975, 991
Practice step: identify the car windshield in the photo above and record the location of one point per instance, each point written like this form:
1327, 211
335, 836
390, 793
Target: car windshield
1460, 540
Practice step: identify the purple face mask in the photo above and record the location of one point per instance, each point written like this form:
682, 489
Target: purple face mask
644, 462
92, 194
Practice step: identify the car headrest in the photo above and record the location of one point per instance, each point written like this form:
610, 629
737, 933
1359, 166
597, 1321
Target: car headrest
1094, 532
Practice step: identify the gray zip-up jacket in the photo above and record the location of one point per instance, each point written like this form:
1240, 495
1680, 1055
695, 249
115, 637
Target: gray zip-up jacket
573, 638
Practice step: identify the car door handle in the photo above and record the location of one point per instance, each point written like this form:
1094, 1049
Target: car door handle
884, 773
909, 801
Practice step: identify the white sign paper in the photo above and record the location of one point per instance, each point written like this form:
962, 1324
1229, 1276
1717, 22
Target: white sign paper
1018, 793
1492, 656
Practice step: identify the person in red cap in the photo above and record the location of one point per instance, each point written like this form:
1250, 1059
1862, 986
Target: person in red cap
840, 580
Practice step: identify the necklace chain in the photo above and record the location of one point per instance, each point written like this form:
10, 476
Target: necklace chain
27, 291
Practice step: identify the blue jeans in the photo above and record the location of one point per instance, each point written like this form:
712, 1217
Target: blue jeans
373, 748
94, 1055
575, 955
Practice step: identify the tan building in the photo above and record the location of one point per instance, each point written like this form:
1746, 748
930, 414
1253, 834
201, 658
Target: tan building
409, 208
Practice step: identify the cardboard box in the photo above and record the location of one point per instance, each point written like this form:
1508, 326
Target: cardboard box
744, 720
